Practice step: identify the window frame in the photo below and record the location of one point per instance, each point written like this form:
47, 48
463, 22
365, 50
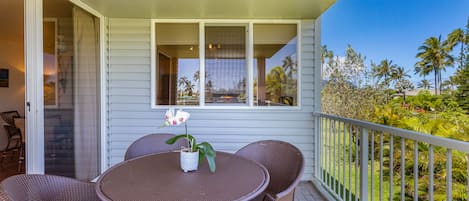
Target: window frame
249, 55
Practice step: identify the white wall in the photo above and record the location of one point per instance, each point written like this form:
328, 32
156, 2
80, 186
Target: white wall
130, 115
12, 55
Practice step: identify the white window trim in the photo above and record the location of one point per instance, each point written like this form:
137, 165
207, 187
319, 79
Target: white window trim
250, 51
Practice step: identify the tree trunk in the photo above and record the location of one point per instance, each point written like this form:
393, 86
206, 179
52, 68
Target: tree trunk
439, 81
436, 82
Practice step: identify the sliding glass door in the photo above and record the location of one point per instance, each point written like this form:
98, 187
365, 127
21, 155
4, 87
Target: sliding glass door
71, 62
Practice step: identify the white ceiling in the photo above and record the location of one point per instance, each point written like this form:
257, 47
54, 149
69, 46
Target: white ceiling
211, 9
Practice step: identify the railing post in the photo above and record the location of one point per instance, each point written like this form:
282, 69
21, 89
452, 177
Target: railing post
317, 134
364, 165
449, 169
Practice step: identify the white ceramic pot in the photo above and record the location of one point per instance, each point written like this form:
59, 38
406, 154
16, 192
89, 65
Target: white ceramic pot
189, 160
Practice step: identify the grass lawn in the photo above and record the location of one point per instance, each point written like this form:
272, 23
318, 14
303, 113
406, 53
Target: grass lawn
328, 154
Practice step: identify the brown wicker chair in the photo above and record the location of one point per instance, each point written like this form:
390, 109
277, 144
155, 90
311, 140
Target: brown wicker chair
3, 196
284, 163
35, 187
152, 144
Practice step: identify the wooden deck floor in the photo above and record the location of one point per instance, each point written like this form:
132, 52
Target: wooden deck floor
9, 166
306, 191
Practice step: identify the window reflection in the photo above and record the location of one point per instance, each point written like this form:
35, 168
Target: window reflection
275, 65
177, 70
50, 62
225, 65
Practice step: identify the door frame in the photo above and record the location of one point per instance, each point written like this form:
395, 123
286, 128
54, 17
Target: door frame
34, 93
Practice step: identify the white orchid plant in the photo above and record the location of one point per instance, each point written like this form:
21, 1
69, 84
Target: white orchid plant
206, 150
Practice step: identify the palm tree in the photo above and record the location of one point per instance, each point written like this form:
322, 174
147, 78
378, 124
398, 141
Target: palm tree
383, 70
455, 37
196, 77
450, 84
289, 66
398, 73
274, 83
186, 85
403, 85
326, 54
424, 84
434, 55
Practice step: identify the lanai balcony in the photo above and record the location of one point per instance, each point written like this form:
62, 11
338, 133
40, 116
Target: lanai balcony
346, 159
359, 160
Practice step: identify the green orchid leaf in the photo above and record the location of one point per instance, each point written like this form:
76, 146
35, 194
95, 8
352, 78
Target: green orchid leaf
175, 138
189, 138
208, 149
211, 163
201, 156
205, 149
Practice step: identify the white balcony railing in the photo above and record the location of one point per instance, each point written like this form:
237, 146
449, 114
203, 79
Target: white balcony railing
352, 170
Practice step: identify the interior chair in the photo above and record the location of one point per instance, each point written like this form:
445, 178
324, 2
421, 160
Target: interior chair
284, 163
11, 141
47, 188
152, 144
9, 117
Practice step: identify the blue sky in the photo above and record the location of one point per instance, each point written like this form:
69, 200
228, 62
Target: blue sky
391, 29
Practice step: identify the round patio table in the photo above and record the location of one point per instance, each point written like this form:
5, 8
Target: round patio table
159, 177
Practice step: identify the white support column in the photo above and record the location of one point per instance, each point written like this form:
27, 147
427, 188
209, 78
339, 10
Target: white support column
34, 86
250, 63
317, 65
202, 63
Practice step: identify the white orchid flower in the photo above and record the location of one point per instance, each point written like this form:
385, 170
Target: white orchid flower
168, 117
172, 119
181, 117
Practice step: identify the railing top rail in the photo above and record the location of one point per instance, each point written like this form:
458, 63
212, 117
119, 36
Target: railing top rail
408, 134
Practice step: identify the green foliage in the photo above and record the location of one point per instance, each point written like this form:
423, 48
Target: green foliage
275, 83
462, 81
280, 82
444, 114
461, 77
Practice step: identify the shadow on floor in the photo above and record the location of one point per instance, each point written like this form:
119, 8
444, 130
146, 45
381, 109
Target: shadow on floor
306, 191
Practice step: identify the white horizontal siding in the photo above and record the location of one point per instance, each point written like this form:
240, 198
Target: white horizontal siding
129, 97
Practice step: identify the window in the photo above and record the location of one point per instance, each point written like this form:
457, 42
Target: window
177, 56
275, 65
223, 64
